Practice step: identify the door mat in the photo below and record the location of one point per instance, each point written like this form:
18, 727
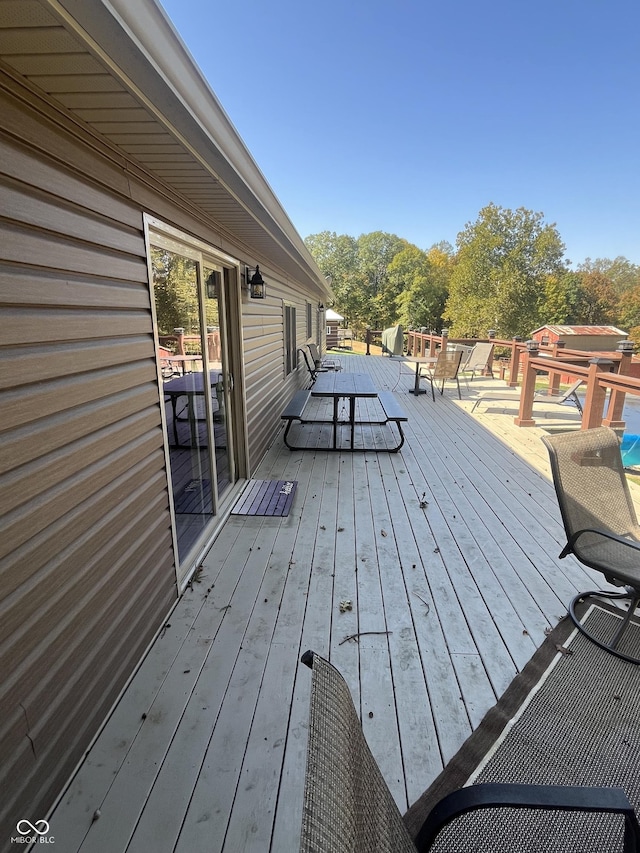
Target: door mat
266, 497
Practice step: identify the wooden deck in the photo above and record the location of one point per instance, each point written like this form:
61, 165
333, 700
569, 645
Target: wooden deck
448, 554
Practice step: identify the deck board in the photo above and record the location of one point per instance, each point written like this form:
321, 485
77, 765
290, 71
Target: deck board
448, 552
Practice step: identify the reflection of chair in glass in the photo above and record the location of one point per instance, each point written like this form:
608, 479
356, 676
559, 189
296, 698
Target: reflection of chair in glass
444, 370
348, 807
166, 366
329, 362
599, 518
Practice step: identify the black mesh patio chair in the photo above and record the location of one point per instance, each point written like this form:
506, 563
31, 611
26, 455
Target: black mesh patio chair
313, 369
348, 807
599, 519
444, 370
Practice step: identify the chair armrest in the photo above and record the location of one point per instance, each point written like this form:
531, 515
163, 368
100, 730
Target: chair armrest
614, 537
556, 797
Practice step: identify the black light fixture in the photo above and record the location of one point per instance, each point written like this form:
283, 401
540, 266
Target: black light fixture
255, 282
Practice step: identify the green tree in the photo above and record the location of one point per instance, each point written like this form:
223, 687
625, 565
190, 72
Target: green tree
503, 262
598, 300
562, 299
376, 251
358, 270
337, 257
425, 285
174, 281
629, 310
622, 274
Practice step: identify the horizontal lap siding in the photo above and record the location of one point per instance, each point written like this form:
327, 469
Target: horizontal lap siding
86, 561
268, 390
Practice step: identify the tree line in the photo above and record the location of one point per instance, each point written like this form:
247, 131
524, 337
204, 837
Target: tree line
508, 272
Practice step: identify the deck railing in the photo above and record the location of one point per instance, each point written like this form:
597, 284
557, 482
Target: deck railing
601, 372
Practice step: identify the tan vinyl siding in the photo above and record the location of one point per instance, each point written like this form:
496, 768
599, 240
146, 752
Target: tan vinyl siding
86, 560
268, 389
87, 568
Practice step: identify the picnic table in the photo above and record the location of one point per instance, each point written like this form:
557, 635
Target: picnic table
337, 386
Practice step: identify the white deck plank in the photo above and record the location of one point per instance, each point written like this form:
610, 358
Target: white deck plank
461, 588
418, 740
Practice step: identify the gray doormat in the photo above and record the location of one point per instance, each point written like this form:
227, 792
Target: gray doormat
266, 497
572, 717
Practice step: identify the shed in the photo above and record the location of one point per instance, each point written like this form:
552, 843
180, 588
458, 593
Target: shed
332, 320
595, 338
142, 382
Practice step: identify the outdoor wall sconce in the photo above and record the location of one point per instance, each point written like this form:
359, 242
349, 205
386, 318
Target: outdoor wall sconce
255, 282
213, 284
320, 306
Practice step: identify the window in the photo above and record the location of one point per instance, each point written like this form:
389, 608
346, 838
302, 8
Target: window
290, 345
309, 321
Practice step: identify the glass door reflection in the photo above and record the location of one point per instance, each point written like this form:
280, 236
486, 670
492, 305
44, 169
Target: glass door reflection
221, 377
189, 380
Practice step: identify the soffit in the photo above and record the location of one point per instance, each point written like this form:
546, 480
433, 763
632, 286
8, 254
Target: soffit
41, 42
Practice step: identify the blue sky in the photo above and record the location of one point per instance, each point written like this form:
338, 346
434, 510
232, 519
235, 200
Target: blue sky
410, 116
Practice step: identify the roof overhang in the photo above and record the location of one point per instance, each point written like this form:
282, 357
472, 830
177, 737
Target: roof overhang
120, 68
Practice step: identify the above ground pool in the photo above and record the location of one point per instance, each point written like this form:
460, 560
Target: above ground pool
630, 446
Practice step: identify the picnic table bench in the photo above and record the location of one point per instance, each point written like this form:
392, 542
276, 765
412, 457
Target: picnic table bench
349, 386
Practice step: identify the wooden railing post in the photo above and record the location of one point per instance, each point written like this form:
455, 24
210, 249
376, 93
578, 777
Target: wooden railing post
179, 333
514, 364
528, 391
596, 394
554, 377
367, 337
432, 345
613, 417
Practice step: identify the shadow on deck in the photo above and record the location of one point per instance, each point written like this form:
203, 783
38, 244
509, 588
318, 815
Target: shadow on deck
447, 553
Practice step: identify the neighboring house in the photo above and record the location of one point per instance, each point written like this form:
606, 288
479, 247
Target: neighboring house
333, 321
594, 338
130, 209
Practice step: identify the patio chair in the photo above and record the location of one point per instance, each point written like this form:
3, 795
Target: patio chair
327, 361
568, 396
599, 520
313, 369
479, 360
444, 370
348, 807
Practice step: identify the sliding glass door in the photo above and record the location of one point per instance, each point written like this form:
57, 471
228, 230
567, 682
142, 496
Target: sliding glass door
190, 289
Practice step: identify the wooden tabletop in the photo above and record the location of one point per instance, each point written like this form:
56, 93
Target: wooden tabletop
190, 383
340, 384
